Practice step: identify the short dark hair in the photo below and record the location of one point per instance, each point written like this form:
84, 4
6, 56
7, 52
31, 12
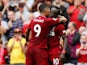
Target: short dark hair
55, 11
42, 7
21, 4
74, 25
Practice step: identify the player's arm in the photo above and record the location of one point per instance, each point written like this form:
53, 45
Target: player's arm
55, 21
28, 37
28, 33
62, 19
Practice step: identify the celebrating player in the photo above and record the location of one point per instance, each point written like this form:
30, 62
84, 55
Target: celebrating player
37, 53
54, 45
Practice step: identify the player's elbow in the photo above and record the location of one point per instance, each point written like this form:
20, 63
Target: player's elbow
63, 19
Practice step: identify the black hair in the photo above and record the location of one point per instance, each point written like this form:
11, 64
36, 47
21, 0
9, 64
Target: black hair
42, 7
74, 25
21, 4
55, 11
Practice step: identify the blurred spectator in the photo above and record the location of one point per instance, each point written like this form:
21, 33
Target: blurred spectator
73, 40
81, 51
36, 3
7, 7
60, 2
14, 4
37, 13
13, 23
22, 14
82, 29
28, 5
48, 2
1, 5
74, 11
3, 53
3, 29
70, 2
16, 48
85, 14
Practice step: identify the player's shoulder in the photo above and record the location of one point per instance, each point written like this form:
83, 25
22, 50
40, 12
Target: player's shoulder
39, 19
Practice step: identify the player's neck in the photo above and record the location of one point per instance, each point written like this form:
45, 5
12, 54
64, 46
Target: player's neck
42, 14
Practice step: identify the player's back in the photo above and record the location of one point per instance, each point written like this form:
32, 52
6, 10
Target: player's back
40, 30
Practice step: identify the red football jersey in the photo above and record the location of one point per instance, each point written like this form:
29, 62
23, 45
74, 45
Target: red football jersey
83, 56
56, 32
40, 28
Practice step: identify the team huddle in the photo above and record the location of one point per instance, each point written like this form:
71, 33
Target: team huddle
44, 47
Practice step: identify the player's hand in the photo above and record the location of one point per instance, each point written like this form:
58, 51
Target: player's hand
61, 41
63, 19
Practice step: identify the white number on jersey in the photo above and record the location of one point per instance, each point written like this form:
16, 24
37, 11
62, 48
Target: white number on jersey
52, 33
37, 29
55, 61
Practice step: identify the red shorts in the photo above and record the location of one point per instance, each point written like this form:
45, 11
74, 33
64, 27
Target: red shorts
37, 56
54, 55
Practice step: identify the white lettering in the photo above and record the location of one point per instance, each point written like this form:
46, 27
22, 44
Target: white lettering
38, 20
55, 61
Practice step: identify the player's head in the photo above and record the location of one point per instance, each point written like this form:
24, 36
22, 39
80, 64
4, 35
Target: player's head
44, 9
55, 11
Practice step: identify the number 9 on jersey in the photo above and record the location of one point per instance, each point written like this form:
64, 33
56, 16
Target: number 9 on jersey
37, 30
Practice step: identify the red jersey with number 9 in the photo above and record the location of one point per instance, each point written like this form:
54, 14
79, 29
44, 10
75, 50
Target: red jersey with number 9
40, 28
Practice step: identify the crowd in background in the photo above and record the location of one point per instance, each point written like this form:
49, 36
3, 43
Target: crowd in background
18, 14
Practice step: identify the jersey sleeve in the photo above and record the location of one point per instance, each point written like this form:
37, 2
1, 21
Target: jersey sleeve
61, 28
52, 21
29, 25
